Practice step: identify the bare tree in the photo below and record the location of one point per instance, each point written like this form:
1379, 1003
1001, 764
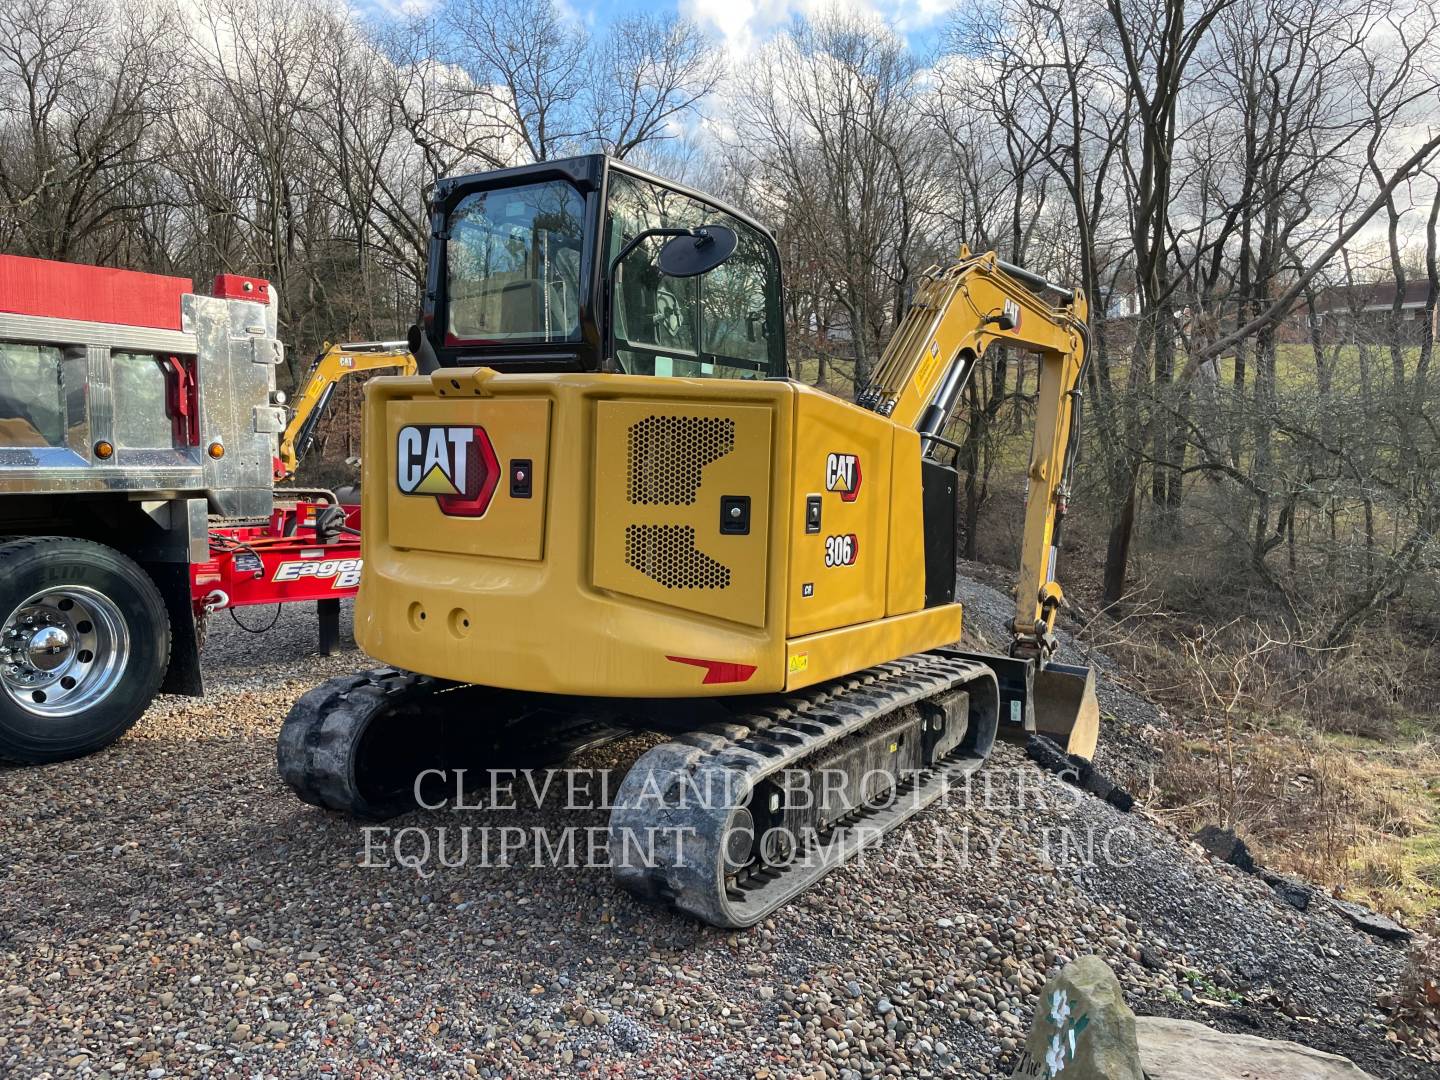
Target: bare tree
437, 129
528, 64
1155, 42
832, 128
649, 74
82, 88
1044, 83
257, 58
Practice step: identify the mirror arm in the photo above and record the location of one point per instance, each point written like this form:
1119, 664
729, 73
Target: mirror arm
637, 239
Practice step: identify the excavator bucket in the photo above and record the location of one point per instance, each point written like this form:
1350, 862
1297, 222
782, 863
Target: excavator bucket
1056, 700
1065, 707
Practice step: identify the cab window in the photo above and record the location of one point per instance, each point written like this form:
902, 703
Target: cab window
513, 265
719, 325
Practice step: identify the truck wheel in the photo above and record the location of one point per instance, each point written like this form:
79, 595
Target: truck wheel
84, 642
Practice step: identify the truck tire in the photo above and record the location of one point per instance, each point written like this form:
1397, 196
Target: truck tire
84, 642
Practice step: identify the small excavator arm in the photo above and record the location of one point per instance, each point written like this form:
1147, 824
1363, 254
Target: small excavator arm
334, 363
958, 312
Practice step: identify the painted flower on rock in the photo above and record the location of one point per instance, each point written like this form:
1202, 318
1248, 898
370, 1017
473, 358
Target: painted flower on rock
1055, 1057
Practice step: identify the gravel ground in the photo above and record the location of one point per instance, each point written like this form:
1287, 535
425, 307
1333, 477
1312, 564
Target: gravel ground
171, 910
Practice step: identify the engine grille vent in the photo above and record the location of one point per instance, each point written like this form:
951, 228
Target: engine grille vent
667, 454
667, 554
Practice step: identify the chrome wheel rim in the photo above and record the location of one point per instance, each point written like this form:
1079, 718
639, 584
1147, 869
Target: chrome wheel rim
63, 651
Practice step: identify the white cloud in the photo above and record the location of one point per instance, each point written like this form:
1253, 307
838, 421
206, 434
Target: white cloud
744, 24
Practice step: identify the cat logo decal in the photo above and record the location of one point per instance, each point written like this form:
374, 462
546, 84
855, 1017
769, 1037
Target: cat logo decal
455, 465
842, 474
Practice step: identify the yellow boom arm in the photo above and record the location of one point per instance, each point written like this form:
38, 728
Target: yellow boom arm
958, 312
334, 363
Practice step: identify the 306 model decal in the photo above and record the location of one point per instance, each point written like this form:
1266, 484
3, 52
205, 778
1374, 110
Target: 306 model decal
842, 550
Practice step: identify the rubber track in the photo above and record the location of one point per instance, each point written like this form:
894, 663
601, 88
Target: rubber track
318, 752
659, 792
319, 740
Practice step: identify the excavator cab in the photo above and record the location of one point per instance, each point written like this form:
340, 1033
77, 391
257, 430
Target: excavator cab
555, 267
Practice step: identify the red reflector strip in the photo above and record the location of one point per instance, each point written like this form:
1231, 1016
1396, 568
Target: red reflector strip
717, 671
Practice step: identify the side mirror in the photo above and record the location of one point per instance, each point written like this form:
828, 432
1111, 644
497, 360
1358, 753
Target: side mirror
696, 253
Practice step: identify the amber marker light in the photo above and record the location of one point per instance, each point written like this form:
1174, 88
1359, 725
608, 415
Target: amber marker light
104, 451
216, 450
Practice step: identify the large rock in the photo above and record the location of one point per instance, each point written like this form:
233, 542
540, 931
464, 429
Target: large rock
1225, 846
1372, 922
1083, 1030
1292, 890
1081, 772
1185, 1050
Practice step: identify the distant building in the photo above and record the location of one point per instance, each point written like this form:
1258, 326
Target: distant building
1356, 310
1122, 305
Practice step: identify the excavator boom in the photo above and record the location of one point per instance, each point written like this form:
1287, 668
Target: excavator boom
960, 311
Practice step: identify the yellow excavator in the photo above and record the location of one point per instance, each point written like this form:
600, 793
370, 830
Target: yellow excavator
335, 362
602, 506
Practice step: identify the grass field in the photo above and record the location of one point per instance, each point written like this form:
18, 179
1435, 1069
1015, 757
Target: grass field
1295, 366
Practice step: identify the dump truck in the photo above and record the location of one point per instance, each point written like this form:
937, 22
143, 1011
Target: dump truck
139, 424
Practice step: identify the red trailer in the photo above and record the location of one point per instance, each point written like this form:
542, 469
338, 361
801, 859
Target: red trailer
305, 551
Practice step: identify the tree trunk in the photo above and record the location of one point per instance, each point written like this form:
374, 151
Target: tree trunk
1117, 550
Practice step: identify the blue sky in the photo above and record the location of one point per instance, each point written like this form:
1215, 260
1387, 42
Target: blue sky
743, 24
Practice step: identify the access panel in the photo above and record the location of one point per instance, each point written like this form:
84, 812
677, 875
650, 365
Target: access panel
840, 515
681, 511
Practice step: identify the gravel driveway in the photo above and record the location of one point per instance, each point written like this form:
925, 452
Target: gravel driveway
169, 909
